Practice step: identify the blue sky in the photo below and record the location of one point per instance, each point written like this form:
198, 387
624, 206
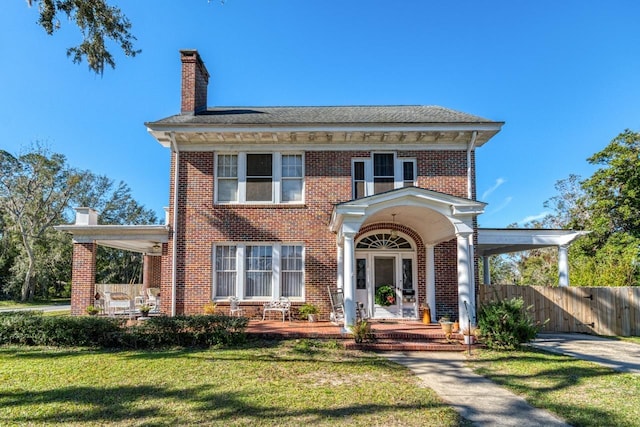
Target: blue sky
563, 75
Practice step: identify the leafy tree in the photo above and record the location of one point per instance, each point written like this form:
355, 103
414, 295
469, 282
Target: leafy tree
35, 190
502, 269
614, 189
608, 205
116, 206
570, 206
98, 23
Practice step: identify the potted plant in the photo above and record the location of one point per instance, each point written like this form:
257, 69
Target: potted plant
309, 311
447, 325
92, 310
209, 308
470, 335
144, 310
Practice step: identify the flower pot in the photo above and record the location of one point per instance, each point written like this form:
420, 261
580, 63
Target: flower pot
469, 339
447, 327
313, 317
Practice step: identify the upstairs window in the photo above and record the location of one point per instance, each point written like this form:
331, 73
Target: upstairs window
259, 178
291, 178
381, 172
383, 176
227, 168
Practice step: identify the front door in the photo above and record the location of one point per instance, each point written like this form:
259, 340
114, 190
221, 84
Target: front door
385, 276
387, 302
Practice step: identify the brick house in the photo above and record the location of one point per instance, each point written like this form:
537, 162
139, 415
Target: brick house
270, 202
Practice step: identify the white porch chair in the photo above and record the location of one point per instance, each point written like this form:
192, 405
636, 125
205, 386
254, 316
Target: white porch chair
234, 307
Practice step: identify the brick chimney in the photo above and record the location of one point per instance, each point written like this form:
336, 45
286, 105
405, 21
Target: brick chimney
195, 79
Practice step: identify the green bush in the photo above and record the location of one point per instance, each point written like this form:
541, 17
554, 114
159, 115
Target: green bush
32, 328
506, 324
362, 332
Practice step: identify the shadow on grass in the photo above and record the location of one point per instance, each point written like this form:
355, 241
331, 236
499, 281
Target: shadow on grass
558, 374
166, 406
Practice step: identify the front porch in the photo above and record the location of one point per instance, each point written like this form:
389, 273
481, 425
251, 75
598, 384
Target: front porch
396, 335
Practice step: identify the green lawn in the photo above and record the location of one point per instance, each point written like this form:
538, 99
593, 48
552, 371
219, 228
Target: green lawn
583, 393
293, 383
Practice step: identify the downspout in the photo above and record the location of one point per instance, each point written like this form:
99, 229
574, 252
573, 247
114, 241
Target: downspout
472, 145
174, 227
472, 257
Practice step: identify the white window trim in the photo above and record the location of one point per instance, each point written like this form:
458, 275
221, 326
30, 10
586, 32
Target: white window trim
398, 171
276, 176
241, 270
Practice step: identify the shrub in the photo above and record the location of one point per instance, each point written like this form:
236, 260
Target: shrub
32, 328
506, 324
362, 332
306, 309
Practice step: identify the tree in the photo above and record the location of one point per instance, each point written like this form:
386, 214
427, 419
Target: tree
35, 190
116, 206
98, 22
614, 189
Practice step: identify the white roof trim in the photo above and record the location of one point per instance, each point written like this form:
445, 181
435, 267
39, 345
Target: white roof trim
458, 210
495, 241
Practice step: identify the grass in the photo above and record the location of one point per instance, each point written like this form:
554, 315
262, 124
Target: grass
290, 383
582, 393
628, 339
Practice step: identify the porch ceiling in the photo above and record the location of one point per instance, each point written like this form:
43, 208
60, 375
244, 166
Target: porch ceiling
496, 241
435, 216
432, 226
145, 239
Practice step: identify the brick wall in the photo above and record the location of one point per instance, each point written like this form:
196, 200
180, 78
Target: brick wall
327, 182
84, 276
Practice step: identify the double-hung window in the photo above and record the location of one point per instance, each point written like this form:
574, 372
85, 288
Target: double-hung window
381, 172
259, 178
258, 271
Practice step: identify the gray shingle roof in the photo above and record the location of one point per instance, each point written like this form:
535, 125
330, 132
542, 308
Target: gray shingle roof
341, 115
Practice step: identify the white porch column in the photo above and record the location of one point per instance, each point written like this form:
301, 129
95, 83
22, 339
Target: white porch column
563, 266
465, 286
486, 270
340, 265
349, 285
431, 281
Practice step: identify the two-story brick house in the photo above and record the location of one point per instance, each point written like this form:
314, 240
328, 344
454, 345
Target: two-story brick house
288, 201
285, 201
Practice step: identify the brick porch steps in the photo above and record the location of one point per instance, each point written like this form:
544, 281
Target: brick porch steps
390, 335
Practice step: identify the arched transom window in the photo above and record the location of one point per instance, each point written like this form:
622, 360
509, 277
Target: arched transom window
383, 241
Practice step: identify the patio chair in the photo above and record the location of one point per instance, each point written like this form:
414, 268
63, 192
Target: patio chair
234, 307
282, 305
153, 298
337, 305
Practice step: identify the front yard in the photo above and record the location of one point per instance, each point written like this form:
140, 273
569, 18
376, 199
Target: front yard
583, 393
293, 383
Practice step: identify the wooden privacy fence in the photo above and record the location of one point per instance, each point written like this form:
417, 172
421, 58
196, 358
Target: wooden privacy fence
133, 290
593, 310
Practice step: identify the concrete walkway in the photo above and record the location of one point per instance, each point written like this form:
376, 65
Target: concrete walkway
45, 308
619, 355
476, 398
